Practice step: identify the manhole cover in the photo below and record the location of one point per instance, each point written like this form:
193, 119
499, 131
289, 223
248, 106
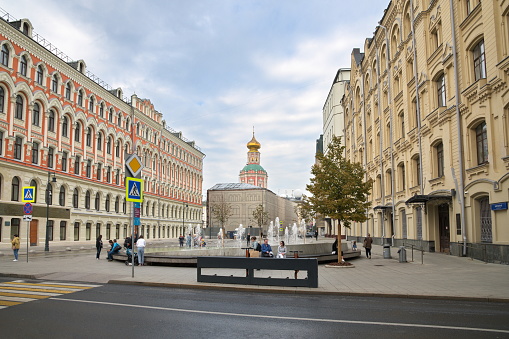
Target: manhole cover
378, 265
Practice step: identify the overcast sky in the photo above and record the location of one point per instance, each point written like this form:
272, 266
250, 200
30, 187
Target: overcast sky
216, 68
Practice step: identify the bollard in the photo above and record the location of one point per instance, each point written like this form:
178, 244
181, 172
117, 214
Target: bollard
402, 254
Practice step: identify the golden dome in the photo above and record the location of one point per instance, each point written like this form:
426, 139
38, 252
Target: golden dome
253, 145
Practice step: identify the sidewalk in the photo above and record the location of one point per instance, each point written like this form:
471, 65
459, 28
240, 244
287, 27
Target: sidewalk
440, 277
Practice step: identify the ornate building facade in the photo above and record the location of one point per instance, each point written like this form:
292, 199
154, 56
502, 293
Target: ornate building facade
427, 114
253, 173
65, 132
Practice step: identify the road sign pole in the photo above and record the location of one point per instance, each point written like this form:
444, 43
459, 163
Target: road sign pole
28, 241
132, 237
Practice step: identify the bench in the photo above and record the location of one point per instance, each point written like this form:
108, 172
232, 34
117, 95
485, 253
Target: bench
152, 259
252, 264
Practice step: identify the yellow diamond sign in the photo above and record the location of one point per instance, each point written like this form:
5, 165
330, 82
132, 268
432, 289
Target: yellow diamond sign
134, 165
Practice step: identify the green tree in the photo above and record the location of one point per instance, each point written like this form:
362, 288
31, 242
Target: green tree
221, 211
304, 210
260, 216
338, 188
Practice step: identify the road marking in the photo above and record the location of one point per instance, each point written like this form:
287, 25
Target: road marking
17, 292
289, 318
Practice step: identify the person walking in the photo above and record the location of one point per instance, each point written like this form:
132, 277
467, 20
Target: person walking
99, 245
316, 235
367, 245
181, 240
140, 244
15, 246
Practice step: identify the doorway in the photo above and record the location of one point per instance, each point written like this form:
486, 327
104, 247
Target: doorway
34, 226
443, 228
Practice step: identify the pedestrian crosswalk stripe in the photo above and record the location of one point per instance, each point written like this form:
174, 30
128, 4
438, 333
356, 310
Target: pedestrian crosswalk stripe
13, 293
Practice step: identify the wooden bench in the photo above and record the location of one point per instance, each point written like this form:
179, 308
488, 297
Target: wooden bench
252, 264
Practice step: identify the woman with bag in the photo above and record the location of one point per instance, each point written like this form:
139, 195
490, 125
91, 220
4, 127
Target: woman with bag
15, 246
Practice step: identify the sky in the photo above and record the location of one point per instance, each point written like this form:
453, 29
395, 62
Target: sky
216, 69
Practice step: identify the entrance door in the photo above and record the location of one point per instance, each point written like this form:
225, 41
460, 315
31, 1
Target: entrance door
443, 227
33, 232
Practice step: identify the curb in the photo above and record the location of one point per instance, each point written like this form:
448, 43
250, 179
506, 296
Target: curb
309, 292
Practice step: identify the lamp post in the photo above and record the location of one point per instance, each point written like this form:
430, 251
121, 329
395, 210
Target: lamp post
48, 198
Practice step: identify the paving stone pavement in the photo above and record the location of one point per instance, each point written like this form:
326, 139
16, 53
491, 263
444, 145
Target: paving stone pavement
441, 276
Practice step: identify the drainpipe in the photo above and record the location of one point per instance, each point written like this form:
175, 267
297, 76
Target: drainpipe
365, 155
461, 184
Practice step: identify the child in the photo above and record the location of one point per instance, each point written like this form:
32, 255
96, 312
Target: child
354, 245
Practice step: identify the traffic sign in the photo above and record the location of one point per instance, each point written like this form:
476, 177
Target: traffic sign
134, 190
27, 217
28, 194
27, 209
134, 165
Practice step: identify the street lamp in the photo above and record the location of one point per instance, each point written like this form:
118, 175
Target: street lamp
48, 198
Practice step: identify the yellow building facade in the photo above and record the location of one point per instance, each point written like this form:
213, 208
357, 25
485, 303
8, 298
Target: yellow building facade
427, 114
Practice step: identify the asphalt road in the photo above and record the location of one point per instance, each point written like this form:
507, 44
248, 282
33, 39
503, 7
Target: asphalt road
120, 311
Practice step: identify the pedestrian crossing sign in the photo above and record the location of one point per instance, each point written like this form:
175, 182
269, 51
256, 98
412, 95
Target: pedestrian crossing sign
134, 190
28, 194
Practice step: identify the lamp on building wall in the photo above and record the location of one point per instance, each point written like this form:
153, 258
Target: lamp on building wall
48, 198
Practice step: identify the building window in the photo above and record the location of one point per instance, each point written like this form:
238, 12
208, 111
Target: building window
65, 127
50, 230
99, 142
39, 75
36, 115
51, 121
87, 200
108, 231
124, 206
108, 146
49, 194
481, 137
439, 149
35, 153
119, 120
97, 201
61, 196
99, 171
101, 110
417, 170
23, 66
441, 91
64, 161
89, 137
80, 98
117, 177
486, 222
97, 230
117, 204
15, 189
68, 91
117, 149
2, 100
51, 153
107, 203
54, 83
76, 231
88, 168
5, 55
479, 61
63, 227
33, 183
108, 174
75, 198
91, 105
88, 230
18, 146
77, 133
77, 162
110, 117
18, 113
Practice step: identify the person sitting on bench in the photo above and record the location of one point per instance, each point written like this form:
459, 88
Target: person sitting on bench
266, 249
115, 248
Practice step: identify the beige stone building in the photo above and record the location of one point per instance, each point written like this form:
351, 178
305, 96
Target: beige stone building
68, 134
427, 114
244, 199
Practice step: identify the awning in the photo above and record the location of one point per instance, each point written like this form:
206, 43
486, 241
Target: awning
381, 207
424, 199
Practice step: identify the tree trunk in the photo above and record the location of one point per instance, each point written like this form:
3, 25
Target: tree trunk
340, 252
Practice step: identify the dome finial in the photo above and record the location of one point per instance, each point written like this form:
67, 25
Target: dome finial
253, 145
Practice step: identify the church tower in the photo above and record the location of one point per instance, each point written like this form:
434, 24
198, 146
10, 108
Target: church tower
253, 173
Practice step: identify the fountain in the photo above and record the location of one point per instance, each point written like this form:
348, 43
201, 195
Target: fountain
276, 226
240, 234
270, 231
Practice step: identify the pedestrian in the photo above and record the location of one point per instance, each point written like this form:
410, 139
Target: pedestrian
181, 240
354, 245
140, 244
281, 250
115, 248
266, 249
15, 246
99, 245
248, 239
316, 235
367, 245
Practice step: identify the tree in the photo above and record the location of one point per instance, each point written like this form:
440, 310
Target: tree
222, 211
338, 187
304, 210
260, 216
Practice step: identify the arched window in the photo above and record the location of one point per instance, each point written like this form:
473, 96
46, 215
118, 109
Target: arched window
18, 114
51, 121
117, 149
80, 98
479, 61
5, 55
23, 65
54, 83
101, 110
2, 100
97, 201
77, 132
117, 204
68, 90
108, 146
110, 117
91, 104
39, 75
107, 203
481, 138
87, 200
439, 150
61, 196
440, 83
15, 189
36, 115
89, 137
65, 127
75, 198
99, 141
119, 120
